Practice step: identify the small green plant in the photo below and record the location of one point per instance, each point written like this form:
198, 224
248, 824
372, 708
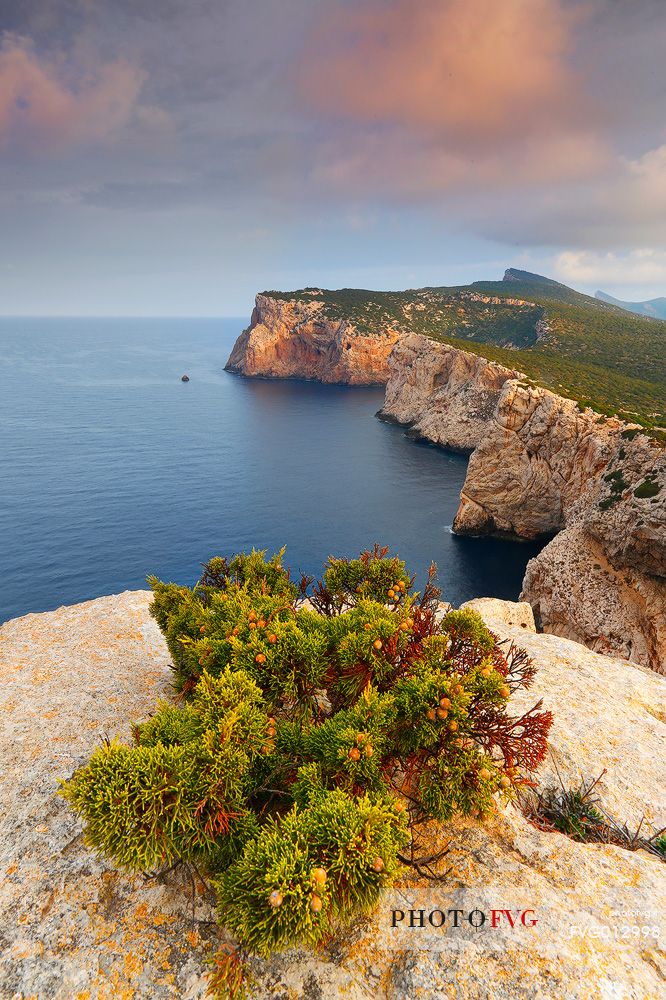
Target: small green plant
311, 737
578, 813
647, 489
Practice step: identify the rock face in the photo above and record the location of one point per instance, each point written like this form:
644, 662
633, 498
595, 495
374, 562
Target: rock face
541, 467
538, 456
73, 928
294, 339
444, 395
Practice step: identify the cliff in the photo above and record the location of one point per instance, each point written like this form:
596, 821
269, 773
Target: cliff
73, 927
542, 466
293, 338
443, 395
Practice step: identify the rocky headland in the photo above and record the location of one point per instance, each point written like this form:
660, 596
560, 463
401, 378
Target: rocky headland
542, 466
295, 339
72, 927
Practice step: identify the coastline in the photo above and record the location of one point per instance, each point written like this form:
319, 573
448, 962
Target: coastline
541, 467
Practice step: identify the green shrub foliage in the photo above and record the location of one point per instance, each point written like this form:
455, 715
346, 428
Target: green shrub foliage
310, 737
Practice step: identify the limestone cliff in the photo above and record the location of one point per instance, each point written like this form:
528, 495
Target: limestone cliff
540, 467
74, 927
293, 338
444, 395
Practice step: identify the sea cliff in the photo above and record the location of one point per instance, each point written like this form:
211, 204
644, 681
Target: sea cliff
541, 466
295, 339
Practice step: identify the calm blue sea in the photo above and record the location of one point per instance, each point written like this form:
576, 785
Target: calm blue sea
111, 468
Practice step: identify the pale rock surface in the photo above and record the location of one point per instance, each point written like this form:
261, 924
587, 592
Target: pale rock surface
74, 929
538, 457
541, 466
516, 613
576, 592
294, 339
444, 395
608, 713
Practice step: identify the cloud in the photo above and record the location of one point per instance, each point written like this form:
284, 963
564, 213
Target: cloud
48, 103
623, 206
475, 72
645, 266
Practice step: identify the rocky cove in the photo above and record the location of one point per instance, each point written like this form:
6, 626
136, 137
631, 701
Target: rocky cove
541, 466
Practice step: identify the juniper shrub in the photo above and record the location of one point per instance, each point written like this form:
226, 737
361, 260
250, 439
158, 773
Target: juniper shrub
310, 738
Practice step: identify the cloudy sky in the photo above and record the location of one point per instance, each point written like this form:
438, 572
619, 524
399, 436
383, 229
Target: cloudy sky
175, 157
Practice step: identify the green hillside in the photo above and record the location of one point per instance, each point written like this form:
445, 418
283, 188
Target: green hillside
578, 346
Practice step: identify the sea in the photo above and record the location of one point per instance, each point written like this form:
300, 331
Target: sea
112, 468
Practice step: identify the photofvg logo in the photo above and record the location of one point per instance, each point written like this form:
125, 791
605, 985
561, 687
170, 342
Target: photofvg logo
435, 919
495, 919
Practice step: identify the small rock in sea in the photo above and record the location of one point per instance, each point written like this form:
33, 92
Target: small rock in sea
184, 378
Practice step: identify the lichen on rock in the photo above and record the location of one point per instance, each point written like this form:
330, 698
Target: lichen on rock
73, 928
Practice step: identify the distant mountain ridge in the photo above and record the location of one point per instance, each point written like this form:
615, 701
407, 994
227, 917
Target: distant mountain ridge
650, 307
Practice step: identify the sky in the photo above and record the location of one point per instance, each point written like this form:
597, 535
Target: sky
176, 157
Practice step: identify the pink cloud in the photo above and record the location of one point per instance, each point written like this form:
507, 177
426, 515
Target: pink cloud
474, 71
46, 104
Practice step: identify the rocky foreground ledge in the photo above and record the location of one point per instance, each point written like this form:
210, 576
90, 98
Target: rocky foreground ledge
73, 929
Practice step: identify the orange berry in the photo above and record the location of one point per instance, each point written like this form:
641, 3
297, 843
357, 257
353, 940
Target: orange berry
458, 689
253, 625
354, 754
453, 726
391, 593
378, 865
442, 713
271, 721
484, 773
275, 898
202, 629
368, 750
377, 644
260, 658
360, 737
202, 662
486, 672
252, 616
261, 623
271, 731
272, 637
367, 626
399, 807
320, 875
432, 715
505, 782
315, 903
444, 703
